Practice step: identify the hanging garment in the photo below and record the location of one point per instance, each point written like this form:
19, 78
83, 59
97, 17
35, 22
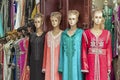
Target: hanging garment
12, 13
1, 58
34, 12
26, 73
116, 59
21, 60
6, 66
107, 14
23, 13
1, 26
17, 51
18, 15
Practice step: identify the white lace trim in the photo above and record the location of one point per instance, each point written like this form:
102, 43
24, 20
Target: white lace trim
53, 39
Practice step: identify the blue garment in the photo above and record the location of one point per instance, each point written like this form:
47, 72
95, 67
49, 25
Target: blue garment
14, 70
70, 55
1, 27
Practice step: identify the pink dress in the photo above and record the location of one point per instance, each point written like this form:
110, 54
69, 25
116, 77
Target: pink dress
21, 60
51, 56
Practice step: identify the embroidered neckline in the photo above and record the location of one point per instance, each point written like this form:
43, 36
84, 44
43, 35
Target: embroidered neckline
95, 35
55, 35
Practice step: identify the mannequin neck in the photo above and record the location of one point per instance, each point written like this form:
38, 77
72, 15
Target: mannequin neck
56, 28
106, 7
73, 27
39, 30
96, 27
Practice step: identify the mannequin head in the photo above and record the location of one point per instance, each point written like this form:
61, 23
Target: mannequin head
98, 18
38, 20
14, 34
19, 31
30, 27
55, 18
73, 16
8, 36
106, 2
115, 1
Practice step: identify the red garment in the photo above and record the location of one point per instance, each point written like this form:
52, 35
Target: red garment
26, 73
1, 57
96, 55
1, 51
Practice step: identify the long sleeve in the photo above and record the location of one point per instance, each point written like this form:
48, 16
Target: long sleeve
84, 54
45, 55
61, 58
109, 52
29, 52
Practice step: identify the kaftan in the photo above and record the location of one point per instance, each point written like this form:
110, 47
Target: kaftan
51, 56
35, 56
6, 68
70, 55
96, 55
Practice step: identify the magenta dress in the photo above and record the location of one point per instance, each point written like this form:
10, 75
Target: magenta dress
21, 60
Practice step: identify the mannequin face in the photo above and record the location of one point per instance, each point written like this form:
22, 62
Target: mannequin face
98, 18
29, 29
105, 3
38, 22
14, 36
55, 22
114, 1
19, 34
8, 38
72, 19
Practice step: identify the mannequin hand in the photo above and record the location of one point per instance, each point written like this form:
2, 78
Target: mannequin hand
109, 71
13, 64
28, 68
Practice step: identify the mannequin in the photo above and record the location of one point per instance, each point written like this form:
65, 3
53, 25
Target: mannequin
7, 53
116, 56
96, 50
35, 50
70, 49
52, 48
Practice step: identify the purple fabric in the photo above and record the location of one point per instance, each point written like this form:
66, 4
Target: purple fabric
21, 63
119, 13
116, 32
113, 18
12, 15
22, 45
15, 5
21, 60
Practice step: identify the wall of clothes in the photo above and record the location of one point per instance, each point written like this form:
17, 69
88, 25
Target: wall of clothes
16, 13
27, 52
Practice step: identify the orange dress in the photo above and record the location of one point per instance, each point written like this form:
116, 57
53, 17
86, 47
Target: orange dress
51, 56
